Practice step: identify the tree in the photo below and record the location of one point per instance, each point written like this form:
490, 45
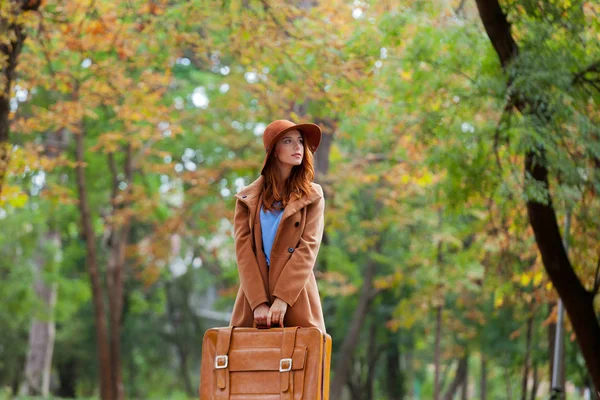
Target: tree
13, 14
542, 215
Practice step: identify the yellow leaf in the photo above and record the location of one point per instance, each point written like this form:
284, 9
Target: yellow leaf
498, 301
537, 278
381, 283
19, 201
525, 279
13, 196
424, 180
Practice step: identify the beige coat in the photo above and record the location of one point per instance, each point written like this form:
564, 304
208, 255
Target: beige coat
290, 276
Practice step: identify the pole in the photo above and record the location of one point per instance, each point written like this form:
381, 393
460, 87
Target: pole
557, 390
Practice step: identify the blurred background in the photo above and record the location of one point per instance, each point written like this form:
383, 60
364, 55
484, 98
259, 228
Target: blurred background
460, 162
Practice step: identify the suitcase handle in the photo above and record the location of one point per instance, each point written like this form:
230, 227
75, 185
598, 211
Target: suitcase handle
266, 327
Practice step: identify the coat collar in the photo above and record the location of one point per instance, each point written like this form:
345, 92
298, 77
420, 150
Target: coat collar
251, 194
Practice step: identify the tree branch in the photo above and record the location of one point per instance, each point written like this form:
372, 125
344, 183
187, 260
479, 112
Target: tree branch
269, 11
498, 29
459, 10
580, 76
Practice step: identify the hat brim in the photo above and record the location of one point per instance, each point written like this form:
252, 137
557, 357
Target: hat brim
311, 132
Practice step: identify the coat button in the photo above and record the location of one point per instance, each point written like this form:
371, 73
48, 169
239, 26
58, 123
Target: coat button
291, 249
297, 224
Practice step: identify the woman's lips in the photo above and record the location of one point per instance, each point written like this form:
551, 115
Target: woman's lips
296, 155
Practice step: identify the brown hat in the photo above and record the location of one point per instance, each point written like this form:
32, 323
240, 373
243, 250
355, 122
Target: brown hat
311, 133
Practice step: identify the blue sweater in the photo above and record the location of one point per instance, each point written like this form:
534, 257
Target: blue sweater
269, 222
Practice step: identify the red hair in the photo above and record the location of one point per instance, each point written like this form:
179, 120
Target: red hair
296, 186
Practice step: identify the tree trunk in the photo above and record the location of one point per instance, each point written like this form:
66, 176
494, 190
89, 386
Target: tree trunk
438, 353
12, 30
594, 395
119, 238
42, 332
354, 381
577, 300
322, 155
115, 300
67, 376
394, 379
410, 374
551, 341
178, 341
460, 378
350, 341
526, 364
508, 381
536, 381
372, 357
437, 385
102, 344
483, 384
551, 344
114, 282
465, 383
321, 171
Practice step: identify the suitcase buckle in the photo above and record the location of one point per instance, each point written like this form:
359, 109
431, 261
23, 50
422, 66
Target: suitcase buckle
285, 365
221, 362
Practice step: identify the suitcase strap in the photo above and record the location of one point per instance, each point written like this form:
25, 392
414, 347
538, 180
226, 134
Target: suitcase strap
288, 343
222, 363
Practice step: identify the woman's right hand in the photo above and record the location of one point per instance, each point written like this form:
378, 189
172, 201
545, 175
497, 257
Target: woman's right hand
260, 314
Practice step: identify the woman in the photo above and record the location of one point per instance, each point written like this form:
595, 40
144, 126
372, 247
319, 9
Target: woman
278, 227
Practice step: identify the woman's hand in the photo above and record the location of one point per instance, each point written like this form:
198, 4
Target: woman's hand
277, 312
261, 314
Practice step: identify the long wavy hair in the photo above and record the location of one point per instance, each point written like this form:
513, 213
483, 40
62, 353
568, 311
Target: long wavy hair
295, 187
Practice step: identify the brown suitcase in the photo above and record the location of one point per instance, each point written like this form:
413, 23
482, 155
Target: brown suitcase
265, 364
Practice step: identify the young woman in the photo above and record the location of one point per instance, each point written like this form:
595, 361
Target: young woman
278, 227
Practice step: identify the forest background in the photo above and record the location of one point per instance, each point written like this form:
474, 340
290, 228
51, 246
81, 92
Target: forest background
460, 162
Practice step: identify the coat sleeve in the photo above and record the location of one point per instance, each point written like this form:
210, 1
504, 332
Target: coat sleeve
298, 268
251, 279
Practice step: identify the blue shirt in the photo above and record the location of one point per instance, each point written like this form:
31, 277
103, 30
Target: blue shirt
269, 222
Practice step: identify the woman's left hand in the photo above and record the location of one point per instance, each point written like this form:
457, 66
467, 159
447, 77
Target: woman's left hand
277, 312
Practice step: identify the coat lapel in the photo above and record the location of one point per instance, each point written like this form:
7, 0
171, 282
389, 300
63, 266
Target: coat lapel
297, 204
251, 196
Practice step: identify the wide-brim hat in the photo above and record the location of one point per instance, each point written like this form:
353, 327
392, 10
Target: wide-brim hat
311, 133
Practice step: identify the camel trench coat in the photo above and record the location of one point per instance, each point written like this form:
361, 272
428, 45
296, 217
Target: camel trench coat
290, 276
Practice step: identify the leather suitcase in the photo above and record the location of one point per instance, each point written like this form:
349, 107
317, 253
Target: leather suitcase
289, 363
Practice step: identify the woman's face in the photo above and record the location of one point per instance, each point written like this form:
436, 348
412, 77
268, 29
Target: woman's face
290, 148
